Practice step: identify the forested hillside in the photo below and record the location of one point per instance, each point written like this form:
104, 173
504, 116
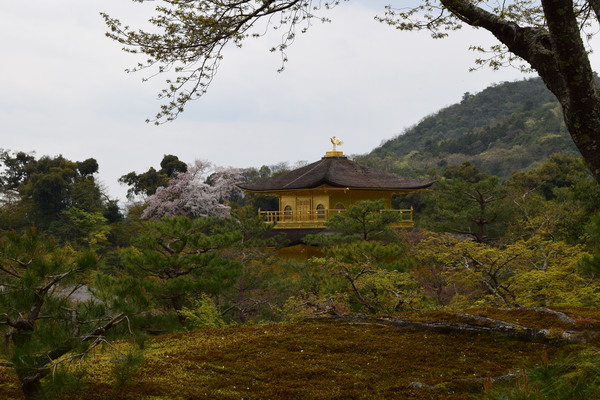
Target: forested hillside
504, 128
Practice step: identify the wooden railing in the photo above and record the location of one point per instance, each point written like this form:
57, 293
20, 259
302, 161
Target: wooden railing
317, 218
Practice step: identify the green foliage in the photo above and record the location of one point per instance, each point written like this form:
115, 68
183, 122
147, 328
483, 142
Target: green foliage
203, 314
466, 202
40, 320
255, 234
86, 194
572, 378
590, 265
365, 264
17, 168
374, 275
88, 167
364, 218
178, 258
87, 229
63, 382
558, 171
55, 194
552, 279
118, 292
53, 184
146, 183
532, 272
557, 200
125, 367
171, 164
308, 279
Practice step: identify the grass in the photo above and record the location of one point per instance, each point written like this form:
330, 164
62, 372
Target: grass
315, 360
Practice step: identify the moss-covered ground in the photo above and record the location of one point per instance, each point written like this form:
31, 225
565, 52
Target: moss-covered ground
323, 359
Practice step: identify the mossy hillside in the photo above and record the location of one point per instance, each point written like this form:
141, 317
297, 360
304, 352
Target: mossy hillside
329, 359
310, 360
317, 360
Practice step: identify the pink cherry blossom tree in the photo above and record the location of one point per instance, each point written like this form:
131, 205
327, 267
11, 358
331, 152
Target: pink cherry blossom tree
202, 191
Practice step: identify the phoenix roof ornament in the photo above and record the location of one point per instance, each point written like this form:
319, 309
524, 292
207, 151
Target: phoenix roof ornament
336, 142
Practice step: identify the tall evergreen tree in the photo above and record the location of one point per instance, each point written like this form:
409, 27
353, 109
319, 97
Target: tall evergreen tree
43, 325
180, 258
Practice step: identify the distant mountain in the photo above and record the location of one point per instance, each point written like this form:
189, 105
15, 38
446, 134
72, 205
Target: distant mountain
506, 127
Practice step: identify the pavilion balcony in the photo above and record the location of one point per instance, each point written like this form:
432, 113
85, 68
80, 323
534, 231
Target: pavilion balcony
304, 219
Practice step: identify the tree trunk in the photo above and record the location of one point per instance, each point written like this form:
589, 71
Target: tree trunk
31, 386
177, 306
489, 326
581, 104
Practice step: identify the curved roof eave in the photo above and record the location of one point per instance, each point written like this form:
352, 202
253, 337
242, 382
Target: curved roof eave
340, 187
335, 172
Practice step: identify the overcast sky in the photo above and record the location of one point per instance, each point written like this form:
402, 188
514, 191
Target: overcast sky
63, 90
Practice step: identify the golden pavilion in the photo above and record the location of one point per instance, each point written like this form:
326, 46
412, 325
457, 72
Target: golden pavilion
308, 196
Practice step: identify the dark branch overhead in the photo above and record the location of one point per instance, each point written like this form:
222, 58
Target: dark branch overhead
336, 172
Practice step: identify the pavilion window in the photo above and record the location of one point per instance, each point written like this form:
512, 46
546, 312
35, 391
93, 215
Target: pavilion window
320, 211
339, 207
287, 213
